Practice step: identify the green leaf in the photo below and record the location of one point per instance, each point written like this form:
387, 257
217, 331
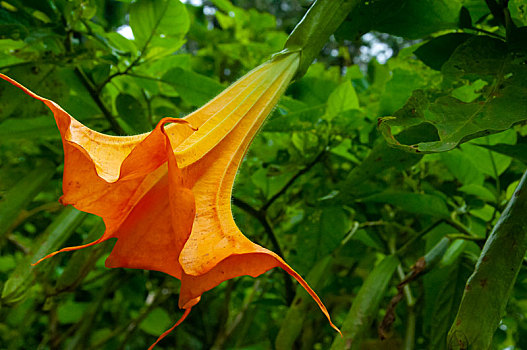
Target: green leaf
518, 10
301, 119
55, 235
416, 203
500, 105
302, 303
399, 88
479, 191
438, 50
343, 98
364, 307
518, 151
493, 278
71, 311
465, 20
34, 128
460, 164
157, 321
159, 26
7, 263
319, 234
41, 78
443, 290
132, 112
193, 87
381, 158
19, 196
82, 261
418, 18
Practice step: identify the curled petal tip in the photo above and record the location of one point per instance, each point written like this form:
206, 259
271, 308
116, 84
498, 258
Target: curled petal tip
167, 120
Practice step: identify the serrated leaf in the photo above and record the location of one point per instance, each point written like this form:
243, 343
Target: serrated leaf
501, 105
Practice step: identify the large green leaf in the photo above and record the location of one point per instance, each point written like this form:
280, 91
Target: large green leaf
159, 26
156, 322
499, 104
438, 50
518, 151
23, 277
417, 18
365, 305
411, 18
342, 99
443, 291
319, 234
132, 112
35, 128
493, 278
20, 195
294, 319
417, 203
193, 87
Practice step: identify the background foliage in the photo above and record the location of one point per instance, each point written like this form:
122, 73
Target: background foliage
321, 186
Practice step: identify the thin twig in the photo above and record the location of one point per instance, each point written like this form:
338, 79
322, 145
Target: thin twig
480, 30
293, 179
96, 98
417, 236
261, 216
134, 62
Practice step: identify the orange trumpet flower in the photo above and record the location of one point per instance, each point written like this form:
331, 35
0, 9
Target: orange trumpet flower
166, 195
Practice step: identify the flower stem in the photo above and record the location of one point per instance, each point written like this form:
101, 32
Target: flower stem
313, 31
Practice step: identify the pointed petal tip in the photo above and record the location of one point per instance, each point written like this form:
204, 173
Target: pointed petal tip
336, 328
67, 249
308, 289
167, 332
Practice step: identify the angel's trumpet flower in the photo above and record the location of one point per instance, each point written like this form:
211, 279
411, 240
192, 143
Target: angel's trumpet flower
166, 195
